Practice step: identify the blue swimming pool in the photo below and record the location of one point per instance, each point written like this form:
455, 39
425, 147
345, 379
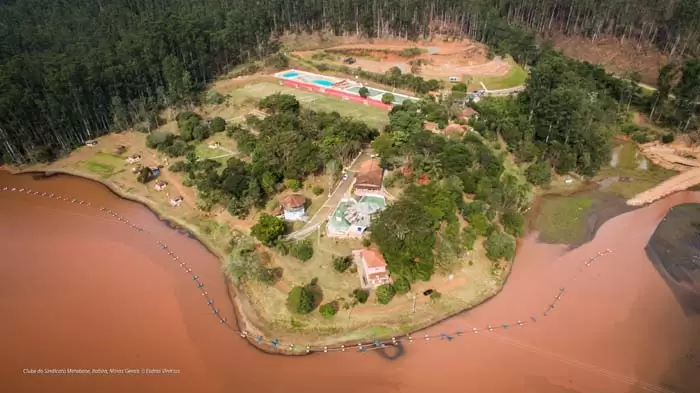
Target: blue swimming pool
290, 75
322, 82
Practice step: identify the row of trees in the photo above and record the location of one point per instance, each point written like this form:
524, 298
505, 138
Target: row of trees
130, 58
672, 25
393, 77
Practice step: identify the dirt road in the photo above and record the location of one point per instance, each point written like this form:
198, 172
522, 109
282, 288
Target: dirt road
677, 183
327, 208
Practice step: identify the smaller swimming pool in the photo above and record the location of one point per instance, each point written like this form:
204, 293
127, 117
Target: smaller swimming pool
322, 82
290, 75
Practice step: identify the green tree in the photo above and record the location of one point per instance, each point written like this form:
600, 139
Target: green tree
513, 223
328, 310
500, 246
280, 103
460, 87
361, 295
341, 264
269, 276
388, 98
401, 285
302, 250
479, 222
300, 300
293, 184
217, 125
242, 261
539, 173
268, 229
363, 92
385, 293
178, 166
469, 236
317, 190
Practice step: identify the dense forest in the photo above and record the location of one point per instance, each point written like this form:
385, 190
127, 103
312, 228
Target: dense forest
70, 71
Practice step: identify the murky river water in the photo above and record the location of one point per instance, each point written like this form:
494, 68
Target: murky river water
81, 290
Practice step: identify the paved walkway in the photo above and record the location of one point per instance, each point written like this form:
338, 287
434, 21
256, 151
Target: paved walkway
338, 194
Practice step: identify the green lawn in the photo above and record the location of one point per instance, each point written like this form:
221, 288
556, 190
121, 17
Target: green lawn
375, 117
515, 77
561, 219
103, 164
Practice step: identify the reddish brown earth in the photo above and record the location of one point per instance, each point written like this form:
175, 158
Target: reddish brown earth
617, 56
456, 58
83, 291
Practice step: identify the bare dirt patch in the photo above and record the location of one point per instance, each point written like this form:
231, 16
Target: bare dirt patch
615, 55
442, 59
680, 155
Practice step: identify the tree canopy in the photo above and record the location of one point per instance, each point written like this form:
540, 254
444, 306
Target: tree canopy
129, 59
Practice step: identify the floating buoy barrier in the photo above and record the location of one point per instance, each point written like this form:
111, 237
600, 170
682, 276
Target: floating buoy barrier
275, 342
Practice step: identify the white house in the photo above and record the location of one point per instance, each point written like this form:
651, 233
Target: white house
177, 201
372, 267
294, 207
160, 185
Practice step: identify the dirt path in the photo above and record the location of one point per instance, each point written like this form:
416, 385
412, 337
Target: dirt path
677, 183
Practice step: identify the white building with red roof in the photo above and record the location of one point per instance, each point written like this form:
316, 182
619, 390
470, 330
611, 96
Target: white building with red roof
372, 267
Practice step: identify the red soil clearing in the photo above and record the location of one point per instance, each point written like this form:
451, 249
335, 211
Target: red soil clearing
451, 59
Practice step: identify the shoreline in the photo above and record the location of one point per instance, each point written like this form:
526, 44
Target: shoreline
236, 296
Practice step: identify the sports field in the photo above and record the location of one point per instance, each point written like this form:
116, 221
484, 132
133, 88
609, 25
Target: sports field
375, 117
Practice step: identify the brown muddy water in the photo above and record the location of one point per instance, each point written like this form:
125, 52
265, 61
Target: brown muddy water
81, 290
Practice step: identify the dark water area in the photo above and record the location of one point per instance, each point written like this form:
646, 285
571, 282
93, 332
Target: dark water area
675, 250
83, 290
